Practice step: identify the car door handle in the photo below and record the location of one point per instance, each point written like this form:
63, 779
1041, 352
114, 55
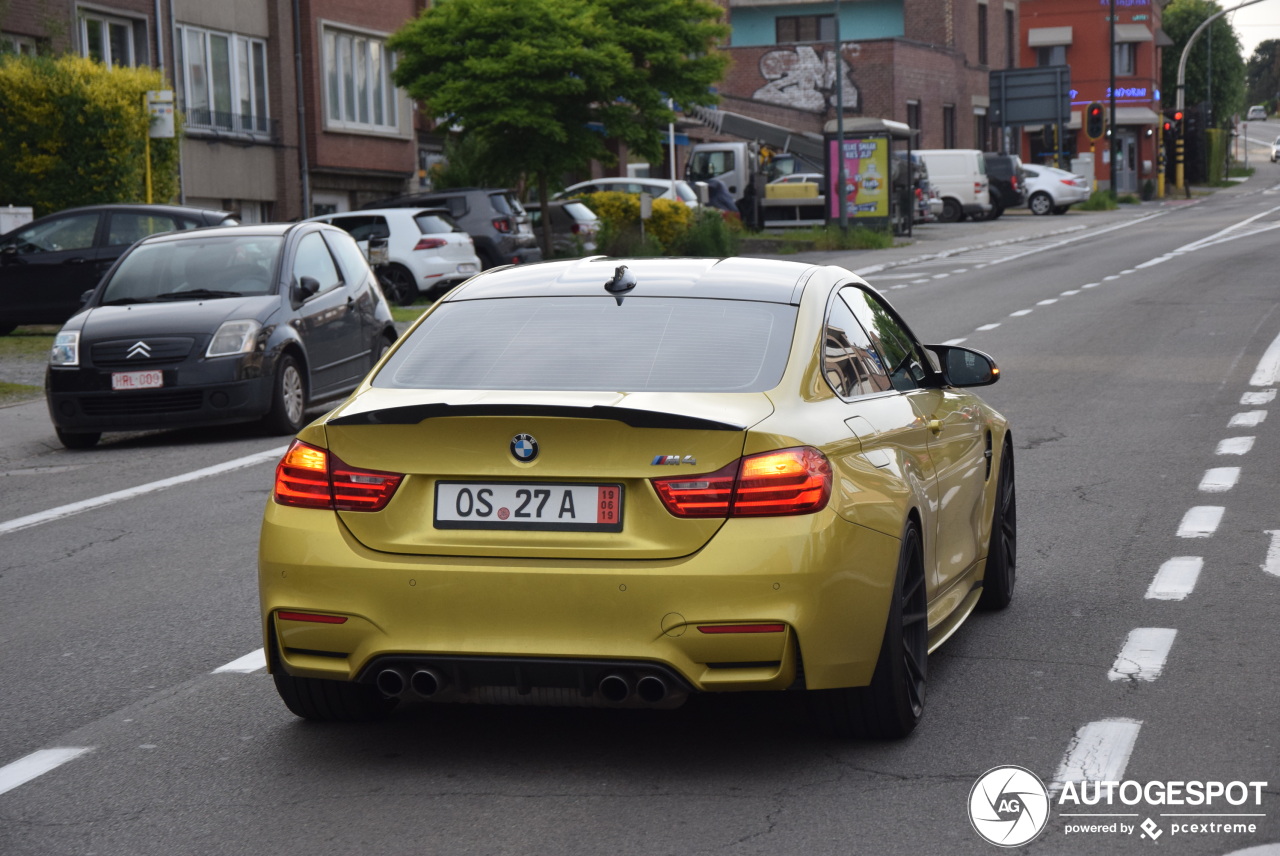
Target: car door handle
78, 260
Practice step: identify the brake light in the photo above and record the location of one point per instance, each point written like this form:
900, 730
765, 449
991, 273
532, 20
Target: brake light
309, 477
502, 224
979, 186
431, 243
919, 194
1069, 182
788, 481
1013, 182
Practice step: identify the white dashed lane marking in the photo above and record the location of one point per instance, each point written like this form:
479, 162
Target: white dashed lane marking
1272, 564
1219, 479
1176, 578
251, 662
1099, 752
37, 764
1248, 419
1144, 653
1235, 446
1201, 521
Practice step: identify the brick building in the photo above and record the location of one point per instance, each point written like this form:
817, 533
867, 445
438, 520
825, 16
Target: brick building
923, 62
1078, 33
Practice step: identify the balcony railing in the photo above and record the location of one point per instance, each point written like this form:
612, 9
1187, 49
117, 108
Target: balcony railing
201, 121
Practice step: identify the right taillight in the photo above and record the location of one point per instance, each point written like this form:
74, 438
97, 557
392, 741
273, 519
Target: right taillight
311, 477
502, 224
787, 481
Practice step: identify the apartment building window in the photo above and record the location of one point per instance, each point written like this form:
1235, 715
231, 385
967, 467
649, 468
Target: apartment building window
107, 39
1051, 55
1010, 40
982, 34
806, 28
949, 126
913, 115
359, 93
981, 130
223, 80
20, 45
1126, 54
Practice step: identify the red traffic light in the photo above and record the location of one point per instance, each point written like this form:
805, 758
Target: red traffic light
1094, 124
1177, 116
1168, 126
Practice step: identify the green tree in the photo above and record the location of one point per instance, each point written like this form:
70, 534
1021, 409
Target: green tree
1263, 75
74, 132
541, 85
1226, 79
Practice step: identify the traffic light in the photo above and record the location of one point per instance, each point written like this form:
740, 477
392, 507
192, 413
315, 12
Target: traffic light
1093, 122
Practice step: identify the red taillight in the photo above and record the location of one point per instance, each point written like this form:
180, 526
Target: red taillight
788, 481
502, 224
309, 477
741, 628
314, 617
1069, 182
431, 243
919, 194
1013, 182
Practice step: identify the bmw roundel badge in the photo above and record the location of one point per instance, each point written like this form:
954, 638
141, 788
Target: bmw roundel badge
524, 448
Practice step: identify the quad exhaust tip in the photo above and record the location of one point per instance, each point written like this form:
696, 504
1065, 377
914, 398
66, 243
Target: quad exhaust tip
390, 682
427, 682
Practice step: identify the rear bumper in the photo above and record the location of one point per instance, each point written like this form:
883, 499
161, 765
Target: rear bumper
830, 592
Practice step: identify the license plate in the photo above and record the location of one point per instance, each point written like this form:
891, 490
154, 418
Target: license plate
137, 380
522, 505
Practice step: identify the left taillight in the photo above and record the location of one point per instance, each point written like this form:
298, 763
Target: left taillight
311, 477
787, 481
431, 243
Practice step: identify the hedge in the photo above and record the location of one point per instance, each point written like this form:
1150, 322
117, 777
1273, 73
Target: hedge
73, 132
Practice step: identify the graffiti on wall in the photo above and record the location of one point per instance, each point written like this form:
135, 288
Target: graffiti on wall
803, 79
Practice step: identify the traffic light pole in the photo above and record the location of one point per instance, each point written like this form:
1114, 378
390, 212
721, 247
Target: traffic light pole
1181, 103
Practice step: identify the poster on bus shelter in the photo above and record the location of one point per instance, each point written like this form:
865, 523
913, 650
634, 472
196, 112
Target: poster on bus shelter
866, 170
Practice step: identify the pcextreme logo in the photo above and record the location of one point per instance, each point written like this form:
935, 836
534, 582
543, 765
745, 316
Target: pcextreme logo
1010, 806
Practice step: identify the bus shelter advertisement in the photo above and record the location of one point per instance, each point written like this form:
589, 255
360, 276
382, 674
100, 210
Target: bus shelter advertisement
866, 169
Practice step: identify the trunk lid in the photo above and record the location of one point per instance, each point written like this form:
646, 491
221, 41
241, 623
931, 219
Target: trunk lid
454, 440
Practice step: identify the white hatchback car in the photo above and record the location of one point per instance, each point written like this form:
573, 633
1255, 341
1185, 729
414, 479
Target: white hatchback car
1051, 190
427, 253
658, 188
1275, 150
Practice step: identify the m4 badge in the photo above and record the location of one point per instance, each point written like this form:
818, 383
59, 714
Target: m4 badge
674, 460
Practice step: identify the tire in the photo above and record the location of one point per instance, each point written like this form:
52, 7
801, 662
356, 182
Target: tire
1060, 209
891, 706
380, 348
488, 258
78, 440
288, 398
952, 212
1002, 551
330, 701
995, 212
1040, 203
398, 284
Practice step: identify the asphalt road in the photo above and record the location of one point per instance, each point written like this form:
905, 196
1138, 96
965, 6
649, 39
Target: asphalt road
1137, 355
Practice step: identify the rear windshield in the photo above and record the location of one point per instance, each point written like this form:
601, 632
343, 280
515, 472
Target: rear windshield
506, 203
579, 212
648, 344
431, 224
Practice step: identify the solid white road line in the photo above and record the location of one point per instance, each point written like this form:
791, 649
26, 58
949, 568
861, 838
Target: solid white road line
251, 662
1235, 446
36, 764
1248, 419
1143, 655
1219, 479
1266, 396
1268, 367
106, 499
1098, 752
1200, 521
1272, 565
1176, 578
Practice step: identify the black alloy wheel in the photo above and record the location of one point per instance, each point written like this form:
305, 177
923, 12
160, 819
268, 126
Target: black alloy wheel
398, 284
330, 701
1002, 552
891, 706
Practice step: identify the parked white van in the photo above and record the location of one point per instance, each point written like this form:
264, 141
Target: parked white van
960, 176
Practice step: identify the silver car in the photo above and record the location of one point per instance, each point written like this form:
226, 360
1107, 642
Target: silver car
1052, 191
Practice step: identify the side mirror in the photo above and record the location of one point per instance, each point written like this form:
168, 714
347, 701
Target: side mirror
84, 298
303, 289
965, 367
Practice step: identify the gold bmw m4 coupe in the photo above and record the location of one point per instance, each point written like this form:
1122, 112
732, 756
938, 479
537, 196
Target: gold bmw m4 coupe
622, 482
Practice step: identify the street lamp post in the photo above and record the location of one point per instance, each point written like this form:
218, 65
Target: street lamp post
841, 176
1112, 137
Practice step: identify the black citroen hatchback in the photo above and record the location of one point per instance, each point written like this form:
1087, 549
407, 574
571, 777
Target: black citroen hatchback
229, 324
